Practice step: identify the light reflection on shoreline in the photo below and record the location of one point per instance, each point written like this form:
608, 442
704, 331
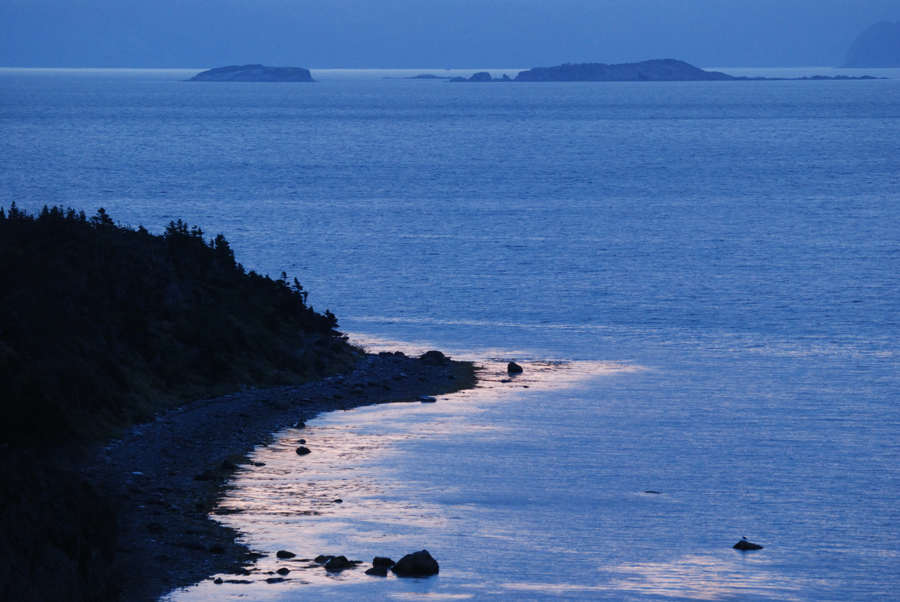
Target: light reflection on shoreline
291, 502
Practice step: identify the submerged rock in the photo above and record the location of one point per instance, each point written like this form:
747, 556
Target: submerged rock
745, 545
417, 564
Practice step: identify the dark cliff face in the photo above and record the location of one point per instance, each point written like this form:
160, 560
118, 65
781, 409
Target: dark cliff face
661, 70
254, 73
878, 46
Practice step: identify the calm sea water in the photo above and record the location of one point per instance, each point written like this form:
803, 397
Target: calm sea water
701, 279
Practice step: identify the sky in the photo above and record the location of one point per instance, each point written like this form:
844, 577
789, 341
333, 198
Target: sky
356, 34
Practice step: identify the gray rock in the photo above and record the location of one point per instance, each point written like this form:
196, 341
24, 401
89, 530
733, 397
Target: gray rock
417, 564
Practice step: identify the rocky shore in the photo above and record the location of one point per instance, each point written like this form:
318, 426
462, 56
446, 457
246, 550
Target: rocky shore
163, 479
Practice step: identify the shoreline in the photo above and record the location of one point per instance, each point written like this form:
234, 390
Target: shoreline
164, 479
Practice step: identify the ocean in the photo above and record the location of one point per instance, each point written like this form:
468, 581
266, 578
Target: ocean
701, 280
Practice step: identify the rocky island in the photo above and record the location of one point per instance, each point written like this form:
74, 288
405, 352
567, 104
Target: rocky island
658, 70
254, 73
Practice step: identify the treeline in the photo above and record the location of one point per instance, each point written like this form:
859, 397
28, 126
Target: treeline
103, 325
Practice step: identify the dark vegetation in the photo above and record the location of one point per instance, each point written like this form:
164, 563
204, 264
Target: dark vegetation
101, 327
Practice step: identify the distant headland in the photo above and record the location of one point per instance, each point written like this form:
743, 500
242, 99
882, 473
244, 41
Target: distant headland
878, 46
254, 73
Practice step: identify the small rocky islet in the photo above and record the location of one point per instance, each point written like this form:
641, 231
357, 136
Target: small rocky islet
254, 73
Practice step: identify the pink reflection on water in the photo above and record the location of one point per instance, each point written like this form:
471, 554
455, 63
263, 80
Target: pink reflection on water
291, 503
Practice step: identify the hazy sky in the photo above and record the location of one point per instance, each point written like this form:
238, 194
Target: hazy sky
431, 33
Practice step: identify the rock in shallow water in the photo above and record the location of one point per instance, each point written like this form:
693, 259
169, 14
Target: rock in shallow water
378, 571
284, 554
745, 545
302, 451
417, 564
514, 368
339, 563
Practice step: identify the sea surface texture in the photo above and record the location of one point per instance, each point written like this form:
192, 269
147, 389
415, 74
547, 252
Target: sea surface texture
701, 280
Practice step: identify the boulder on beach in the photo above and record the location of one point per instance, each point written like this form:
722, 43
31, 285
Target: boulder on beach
514, 368
417, 564
434, 358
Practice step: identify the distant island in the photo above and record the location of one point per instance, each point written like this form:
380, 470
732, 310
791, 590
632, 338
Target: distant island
876, 47
657, 70
423, 76
254, 73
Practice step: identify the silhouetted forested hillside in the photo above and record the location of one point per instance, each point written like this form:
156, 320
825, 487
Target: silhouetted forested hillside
102, 325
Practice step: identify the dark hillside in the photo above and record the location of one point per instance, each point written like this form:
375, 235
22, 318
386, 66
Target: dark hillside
103, 325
